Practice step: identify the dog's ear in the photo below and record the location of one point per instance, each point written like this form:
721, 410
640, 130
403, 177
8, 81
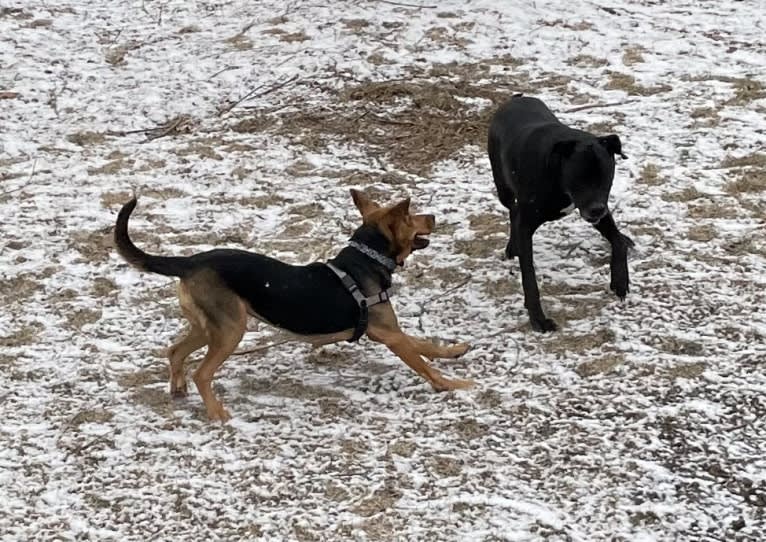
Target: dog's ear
564, 148
363, 202
401, 209
613, 144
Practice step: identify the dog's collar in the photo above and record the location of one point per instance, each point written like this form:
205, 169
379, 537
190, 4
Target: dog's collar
364, 302
385, 261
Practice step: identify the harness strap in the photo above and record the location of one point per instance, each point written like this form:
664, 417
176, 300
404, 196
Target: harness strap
364, 302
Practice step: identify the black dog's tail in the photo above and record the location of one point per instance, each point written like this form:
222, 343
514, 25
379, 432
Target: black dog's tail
169, 266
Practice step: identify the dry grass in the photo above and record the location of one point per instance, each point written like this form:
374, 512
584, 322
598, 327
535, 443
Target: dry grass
751, 181
746, 90
627, 83
702, 233
704, 208
687, 194
446, 105
756, 159
86, 138
633, 55
588, 60
293, 37
650, 174
601, 365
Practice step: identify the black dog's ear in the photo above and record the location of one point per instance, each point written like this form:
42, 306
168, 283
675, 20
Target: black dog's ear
564, 148
613, 144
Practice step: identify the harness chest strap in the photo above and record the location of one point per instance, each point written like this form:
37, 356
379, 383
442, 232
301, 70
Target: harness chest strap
364, 302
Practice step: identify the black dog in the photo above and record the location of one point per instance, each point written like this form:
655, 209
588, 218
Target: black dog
543, 170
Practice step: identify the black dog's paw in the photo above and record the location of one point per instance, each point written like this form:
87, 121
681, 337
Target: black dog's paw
543, 325
627, 241
620, 288
510, 251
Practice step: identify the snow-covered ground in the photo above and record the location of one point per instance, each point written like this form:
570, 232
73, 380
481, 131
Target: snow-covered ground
244, 124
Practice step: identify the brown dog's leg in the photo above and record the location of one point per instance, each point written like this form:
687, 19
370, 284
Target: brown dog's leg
224, 336
432, 351
177, 354
401, 345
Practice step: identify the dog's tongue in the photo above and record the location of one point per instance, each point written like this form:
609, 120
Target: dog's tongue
420, 242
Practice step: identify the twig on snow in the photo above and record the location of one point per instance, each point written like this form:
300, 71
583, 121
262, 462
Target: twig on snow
594, 106
252, 94
261, 348
449, 291
23, 186
407, 5
219, 72
89, 444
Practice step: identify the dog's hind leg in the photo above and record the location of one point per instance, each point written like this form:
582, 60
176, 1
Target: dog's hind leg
618, 264
224, 336
504, 192
177, 354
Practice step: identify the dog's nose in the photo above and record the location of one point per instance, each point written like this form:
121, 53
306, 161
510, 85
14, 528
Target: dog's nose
431, 221
596, 212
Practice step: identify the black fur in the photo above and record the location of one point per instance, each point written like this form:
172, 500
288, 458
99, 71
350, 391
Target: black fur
540, 167
304, 299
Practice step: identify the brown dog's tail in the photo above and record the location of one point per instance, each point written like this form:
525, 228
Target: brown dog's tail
170, 266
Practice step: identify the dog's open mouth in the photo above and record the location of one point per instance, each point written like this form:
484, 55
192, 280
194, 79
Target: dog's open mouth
419, 242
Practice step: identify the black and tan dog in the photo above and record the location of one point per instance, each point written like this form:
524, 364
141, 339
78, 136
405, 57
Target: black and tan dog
317, 303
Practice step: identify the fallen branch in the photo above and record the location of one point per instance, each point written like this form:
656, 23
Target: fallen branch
594, 106
261, 348
407, 5
23, 186
252, 94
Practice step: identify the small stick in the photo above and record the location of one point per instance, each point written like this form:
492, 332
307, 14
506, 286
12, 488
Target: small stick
407, 5
594, 106
23, 186
261, 348
252, 94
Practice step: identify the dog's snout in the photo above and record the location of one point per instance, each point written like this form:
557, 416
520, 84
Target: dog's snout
430, 221
595, 212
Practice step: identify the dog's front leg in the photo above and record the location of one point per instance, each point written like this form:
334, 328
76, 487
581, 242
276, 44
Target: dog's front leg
521, 238
404, 347
433, 351
618, 264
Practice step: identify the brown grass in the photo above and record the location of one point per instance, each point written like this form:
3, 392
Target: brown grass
588, 61
650, 174
746, 90
704, 208
293, 37
627, 83
415, 121
702, 233
756, 159
601, 365
751, 181
86, 138
687, 194
687, 370
633, 55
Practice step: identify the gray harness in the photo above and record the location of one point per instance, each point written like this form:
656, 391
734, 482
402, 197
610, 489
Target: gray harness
364, 302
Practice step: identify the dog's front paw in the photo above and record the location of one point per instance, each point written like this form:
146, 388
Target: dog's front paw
178, 389
543, 325
451, 385
457, 350
218, 413
627, 241
620, 288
